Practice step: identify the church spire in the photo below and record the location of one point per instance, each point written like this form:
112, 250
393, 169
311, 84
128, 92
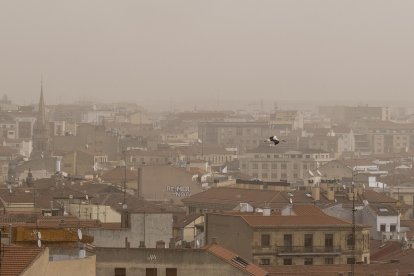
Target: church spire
41, 139
41, 113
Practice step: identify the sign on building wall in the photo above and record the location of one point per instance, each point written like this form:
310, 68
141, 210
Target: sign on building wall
179, 191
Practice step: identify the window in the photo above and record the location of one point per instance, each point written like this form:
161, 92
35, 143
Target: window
255, 166
265, 240
382, 227
150, 272
171, 272
393, 228
264, 175
308, 261
287, 261
283, 166
350, 261
274, 165
308, 242
329, 261
265, 166
120, 271
329, 242
287, 241
350, 241
265, 261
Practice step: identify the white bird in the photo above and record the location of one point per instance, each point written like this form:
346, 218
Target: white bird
274, 140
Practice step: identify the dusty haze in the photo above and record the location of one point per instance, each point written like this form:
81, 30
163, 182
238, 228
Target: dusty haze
208, 52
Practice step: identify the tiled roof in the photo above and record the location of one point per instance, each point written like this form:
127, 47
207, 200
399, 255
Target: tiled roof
258, 220
375, 197
229, 256
255, 197
67, 222
15, 259
331, 270
232, 196
118, 174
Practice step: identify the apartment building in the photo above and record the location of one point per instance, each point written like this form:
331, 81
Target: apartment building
300, 235
242, 135
269, 164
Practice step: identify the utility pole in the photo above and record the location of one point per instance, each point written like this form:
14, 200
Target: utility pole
125, 180
353, 224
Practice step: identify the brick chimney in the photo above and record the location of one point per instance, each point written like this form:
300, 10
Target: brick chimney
331, 193
316, 193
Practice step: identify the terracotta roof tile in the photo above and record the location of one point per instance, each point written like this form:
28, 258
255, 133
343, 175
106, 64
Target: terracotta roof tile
16, 259
229, 256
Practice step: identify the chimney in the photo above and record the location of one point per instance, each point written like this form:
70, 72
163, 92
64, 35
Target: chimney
331, 193
316, 193
266, 211
171, 243
160, 244
141, 244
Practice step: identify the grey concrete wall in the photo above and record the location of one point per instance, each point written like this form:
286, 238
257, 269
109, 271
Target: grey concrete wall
370, 218
144, 227
231, 232
186, 261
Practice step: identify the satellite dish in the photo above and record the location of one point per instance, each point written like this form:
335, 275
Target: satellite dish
39, 235
39, 243
79, 234
124, 206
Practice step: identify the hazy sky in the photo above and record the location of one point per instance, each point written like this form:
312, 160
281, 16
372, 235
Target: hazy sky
207, 51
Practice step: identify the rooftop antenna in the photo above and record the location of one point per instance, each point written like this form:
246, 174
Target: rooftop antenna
39, 239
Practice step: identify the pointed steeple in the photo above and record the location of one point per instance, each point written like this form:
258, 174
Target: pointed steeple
41, 113
41, 139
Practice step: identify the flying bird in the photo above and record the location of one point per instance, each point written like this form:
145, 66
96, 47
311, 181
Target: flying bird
274, 140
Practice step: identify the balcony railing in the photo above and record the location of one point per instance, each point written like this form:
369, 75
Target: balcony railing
292, 250
299, 250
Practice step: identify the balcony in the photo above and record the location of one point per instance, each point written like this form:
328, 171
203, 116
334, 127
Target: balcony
307, 250
298, 250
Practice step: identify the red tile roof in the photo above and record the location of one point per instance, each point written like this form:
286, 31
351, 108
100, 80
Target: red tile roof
229, 256
302, 215
302, 220
233, 196
332, 270
15, 259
